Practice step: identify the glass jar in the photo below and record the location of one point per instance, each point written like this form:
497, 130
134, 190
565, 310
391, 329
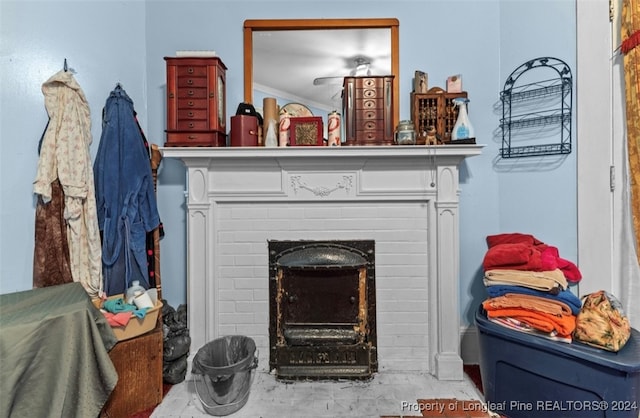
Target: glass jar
405, 133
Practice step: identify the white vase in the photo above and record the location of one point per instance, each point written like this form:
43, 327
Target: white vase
271, 139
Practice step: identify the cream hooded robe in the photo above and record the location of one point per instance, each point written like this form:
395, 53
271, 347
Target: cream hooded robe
65, 155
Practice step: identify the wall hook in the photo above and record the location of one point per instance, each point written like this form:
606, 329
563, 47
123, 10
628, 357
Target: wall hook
66, 68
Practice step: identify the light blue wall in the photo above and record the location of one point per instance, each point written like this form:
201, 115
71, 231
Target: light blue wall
109, 42
105, 43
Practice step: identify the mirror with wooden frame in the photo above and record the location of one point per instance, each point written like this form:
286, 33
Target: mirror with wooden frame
305, 60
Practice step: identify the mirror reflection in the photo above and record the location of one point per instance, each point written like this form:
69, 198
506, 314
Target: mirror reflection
308, 66
305, 60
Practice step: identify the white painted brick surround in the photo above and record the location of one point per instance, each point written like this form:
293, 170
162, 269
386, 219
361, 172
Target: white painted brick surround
239, 198
400, 234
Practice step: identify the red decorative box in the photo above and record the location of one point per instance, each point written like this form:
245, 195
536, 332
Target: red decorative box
305, 131
244, 131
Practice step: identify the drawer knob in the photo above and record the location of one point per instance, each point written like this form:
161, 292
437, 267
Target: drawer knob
190, 92
189, 81
193, 137
190, 70
190, 114
189, 103
190, 124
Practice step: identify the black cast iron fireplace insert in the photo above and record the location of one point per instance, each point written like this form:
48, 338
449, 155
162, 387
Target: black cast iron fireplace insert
322, 310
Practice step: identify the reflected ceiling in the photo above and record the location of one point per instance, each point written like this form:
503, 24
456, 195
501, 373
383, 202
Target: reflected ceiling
285, 62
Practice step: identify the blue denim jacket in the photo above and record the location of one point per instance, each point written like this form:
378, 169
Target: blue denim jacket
125, 195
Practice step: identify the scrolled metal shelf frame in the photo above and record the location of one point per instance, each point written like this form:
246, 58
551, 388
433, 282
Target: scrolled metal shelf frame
551, 114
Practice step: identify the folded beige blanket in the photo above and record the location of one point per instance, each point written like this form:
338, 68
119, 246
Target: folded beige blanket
539, 280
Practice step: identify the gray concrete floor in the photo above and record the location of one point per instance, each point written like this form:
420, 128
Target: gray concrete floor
386, 393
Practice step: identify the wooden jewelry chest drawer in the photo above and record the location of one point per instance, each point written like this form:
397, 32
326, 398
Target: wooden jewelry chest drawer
368, 110
196, 96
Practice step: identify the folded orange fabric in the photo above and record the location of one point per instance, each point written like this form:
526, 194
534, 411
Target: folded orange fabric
530, 302
562, 324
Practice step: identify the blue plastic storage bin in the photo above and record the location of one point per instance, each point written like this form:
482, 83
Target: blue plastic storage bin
533, 377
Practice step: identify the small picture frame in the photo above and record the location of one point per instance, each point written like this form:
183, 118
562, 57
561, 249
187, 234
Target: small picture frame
454, 84
420, 82
305, 131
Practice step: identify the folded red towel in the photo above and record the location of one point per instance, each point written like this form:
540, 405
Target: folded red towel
570, 270
518, 251
518, 256
512, 238
509, 255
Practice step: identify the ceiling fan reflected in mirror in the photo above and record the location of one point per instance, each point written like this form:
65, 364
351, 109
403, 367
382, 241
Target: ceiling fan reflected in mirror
362, 67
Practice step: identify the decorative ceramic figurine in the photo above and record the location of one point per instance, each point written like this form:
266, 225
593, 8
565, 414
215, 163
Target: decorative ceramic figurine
432, 138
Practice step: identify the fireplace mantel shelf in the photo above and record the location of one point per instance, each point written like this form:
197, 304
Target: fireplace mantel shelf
238, 198
460, 151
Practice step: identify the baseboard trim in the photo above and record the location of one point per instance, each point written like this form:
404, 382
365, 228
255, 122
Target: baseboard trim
469, 349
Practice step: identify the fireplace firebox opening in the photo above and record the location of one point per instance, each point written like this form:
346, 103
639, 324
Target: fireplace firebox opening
322, 309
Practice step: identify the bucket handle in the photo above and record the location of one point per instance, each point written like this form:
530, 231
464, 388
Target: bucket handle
254, 363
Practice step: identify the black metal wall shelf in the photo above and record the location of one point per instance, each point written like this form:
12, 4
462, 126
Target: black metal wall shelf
535, 90
544, 104
535, 119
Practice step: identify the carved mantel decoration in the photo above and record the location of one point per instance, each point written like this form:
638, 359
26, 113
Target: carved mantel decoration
298, 183
403, 198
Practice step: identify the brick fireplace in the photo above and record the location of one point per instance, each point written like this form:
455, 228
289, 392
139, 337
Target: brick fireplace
405, 199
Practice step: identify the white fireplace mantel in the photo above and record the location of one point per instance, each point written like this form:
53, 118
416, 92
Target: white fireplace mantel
309, 177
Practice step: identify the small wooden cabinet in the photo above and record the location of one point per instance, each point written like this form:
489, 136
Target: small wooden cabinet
196, 102
367, 103
138, 362
434, 109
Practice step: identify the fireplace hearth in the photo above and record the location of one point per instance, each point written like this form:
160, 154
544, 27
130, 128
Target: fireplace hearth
322, 311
